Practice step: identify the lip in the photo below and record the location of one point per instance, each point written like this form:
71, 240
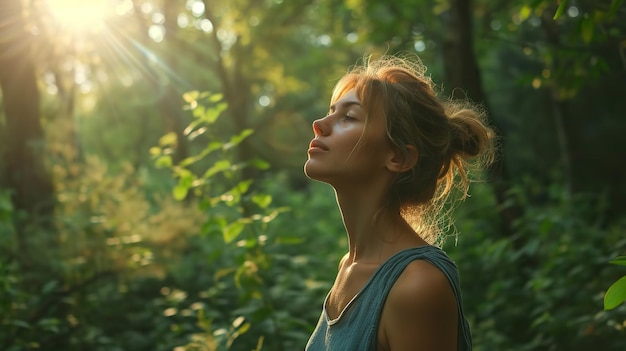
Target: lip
316, 144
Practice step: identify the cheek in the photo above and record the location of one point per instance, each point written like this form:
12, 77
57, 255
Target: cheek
375, 142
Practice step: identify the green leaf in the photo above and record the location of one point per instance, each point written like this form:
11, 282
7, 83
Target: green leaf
262, 200
238, 321
242, 187
191, 96
219, 166
259, 164
232, 231
168, 139
155, 151
525, 12
212, 114
216, 97
619, 260
237, 139
164, 161
180, 192
616, 294
184, 184
560, 10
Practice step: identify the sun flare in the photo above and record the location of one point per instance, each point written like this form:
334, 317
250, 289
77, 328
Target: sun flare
79, 16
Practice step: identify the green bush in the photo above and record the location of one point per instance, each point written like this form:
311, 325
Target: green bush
542, 287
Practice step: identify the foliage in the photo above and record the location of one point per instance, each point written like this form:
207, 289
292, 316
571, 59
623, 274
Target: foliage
105, 232
543, 292
616, 294
257, 285
214, 250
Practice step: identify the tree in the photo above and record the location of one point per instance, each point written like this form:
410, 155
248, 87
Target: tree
23, 171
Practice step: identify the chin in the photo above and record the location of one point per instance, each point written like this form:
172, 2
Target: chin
312, 173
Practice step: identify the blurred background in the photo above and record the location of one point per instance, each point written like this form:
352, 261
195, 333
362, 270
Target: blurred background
151, 186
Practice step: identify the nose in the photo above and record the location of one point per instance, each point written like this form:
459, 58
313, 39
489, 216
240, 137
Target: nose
319, 128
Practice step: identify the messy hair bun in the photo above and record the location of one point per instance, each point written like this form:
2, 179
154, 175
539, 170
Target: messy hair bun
451, 137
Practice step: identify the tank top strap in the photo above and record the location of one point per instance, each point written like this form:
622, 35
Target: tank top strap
383, 280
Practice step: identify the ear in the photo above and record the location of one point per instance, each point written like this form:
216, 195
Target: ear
399, 162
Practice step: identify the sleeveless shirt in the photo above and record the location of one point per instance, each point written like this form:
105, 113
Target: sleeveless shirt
356, 328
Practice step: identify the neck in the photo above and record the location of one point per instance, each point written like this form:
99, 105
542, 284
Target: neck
375, 231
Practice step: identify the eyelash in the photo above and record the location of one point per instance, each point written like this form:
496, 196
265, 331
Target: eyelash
345, 117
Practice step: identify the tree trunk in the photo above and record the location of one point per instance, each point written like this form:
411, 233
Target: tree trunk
171, 101
22, 169
462, 71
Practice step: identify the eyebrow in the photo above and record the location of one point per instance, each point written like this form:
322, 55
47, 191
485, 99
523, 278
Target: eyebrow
346, 104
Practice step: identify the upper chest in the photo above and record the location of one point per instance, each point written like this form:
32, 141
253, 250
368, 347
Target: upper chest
350, 280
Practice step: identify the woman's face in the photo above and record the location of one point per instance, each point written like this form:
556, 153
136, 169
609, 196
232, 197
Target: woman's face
344, 151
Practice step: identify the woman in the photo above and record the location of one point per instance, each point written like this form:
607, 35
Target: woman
393, 152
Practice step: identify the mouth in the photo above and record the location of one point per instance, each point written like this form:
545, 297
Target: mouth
317, 145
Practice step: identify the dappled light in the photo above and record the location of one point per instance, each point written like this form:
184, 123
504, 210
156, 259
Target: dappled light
78, 17
152, 194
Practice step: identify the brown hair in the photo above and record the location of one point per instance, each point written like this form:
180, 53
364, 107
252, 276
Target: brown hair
451, 136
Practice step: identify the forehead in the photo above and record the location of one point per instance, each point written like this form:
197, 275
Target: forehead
345, 85
348, 98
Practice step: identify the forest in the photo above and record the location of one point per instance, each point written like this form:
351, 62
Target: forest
151, 187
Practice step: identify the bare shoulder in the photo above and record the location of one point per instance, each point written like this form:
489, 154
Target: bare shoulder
423, 285
420, 310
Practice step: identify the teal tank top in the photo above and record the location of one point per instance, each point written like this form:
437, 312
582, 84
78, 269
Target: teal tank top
356, 329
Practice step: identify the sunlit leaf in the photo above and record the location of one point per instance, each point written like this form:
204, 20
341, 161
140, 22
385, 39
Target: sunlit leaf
168, 139
238, 321
262, 200
232, 231
560, 10
216, 97
180, 192
616, 294
191, 96
155, 151
170, 312
525, 12
197, 133
244, 185
244, 328
212, 114
217, 167
619, 260
237, 139
164, 161
199, 113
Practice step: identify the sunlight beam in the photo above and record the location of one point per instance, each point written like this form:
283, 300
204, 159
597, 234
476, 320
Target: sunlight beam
78, 16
